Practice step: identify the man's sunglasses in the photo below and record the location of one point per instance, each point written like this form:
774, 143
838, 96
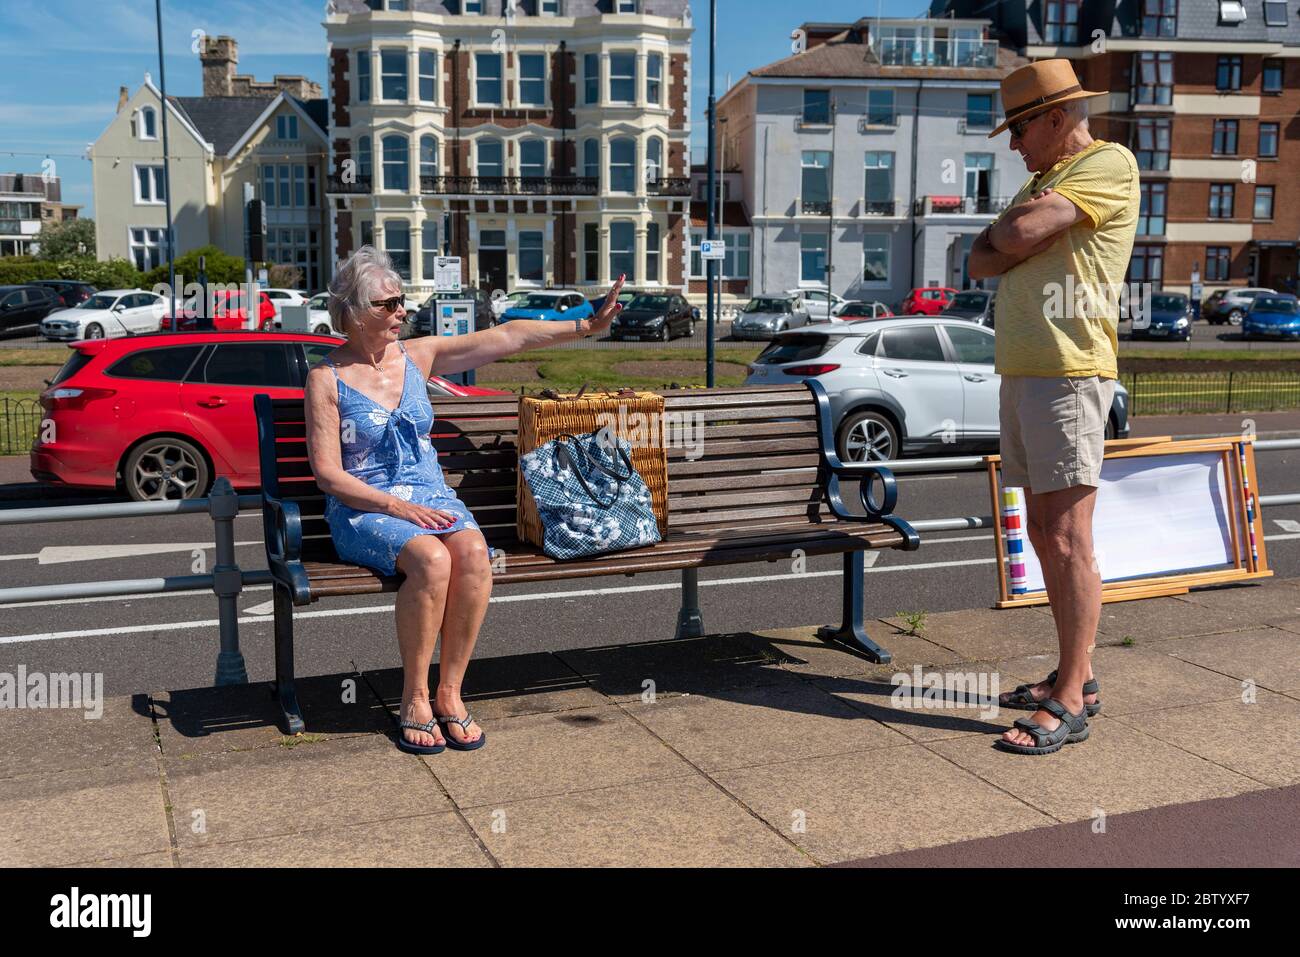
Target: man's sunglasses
388, 305
1017, 129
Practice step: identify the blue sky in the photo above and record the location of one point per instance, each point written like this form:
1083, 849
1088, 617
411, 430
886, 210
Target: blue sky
62, 61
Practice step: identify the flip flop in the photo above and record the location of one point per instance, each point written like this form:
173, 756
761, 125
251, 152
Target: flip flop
410, 747
464, 727
1072, 729
1022, 699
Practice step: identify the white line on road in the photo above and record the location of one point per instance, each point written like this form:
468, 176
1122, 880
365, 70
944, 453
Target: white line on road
1287, 524
59, 554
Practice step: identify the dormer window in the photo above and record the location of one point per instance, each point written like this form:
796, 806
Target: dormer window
286, 127
147, 123
1232, 11
625, 6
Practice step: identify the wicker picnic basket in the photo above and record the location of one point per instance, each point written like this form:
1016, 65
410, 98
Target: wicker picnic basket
543, 418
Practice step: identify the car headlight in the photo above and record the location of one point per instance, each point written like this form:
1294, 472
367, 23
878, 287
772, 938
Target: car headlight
1180, 323
656, 321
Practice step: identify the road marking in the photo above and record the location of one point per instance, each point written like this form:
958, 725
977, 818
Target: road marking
1287, 524
60, 554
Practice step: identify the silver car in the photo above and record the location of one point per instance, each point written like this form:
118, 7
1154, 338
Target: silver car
907, 385
765, 316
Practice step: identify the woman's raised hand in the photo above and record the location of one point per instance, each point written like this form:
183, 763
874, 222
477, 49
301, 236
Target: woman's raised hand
420, 515
612, 307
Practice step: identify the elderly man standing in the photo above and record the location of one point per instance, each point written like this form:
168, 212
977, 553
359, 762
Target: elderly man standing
1061, 250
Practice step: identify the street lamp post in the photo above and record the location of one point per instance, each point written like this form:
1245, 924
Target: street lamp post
710, 265
167, 180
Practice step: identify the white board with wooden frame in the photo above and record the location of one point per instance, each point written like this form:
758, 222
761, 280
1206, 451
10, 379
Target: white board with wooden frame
1171, 514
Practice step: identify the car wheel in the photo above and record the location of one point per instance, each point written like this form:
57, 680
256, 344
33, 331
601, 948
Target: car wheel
690, 329
1234, 317
94, 331
663, 333
165, 468
867, 437
323, 330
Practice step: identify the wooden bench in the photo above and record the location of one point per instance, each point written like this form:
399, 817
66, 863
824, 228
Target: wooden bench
763, 481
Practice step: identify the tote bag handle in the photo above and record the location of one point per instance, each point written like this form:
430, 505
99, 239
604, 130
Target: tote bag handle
562, 448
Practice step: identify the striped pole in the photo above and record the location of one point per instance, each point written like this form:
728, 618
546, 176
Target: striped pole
1250, 505
1013, 524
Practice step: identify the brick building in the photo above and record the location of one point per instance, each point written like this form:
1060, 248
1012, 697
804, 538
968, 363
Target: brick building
545, 142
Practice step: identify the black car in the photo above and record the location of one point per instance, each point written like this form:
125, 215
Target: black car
660, 316
22, 306
625, 296
484, 317
1169, 316
68, 292
974, 305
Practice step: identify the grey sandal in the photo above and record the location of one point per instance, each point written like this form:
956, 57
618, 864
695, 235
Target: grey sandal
464, 727
1022, 699
410, 747
1072, 729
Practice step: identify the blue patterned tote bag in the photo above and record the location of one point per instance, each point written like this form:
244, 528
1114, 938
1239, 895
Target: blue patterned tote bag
590, 498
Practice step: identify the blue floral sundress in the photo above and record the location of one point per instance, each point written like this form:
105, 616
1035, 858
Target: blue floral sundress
390, 451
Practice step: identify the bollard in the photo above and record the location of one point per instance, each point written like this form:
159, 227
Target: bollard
690, 623
227, 582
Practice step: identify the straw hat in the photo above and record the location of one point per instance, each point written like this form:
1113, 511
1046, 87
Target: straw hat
1039, 86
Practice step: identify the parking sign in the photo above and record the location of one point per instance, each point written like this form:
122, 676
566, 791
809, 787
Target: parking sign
712, 249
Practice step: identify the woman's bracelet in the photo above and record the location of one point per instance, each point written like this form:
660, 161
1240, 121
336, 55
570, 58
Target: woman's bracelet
577, 325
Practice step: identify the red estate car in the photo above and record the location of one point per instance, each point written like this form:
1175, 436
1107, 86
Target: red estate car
230, 314
926, 301
159, 416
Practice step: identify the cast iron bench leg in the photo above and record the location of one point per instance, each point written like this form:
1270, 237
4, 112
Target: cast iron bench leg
690, 623
852, 631
284, 690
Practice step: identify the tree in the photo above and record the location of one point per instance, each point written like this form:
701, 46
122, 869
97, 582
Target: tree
70, 239
221, 267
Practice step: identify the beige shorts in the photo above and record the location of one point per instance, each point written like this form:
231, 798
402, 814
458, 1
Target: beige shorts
1053, 430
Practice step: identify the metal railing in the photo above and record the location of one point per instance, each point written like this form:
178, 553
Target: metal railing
1175, 393
357, 183
509, 185
20, 419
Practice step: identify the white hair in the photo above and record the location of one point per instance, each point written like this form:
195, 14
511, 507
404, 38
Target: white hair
354, 283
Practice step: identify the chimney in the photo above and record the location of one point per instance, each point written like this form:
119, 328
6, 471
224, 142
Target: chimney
220, 57
122, 98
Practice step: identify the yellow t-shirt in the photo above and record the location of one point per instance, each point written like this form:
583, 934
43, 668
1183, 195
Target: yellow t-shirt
1058, 312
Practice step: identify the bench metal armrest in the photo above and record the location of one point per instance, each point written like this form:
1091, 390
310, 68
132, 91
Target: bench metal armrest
282, 528
877, 509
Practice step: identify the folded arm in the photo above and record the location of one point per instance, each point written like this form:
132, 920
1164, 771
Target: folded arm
1023, 231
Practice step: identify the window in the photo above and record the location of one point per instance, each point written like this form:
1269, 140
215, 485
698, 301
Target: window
1061, 22
878, 185
591, 159
532, 158
1231, 12
427, 70
1147, 264
622, 77
252, 364
286, 127
815, 192
622, 249
652, 253
168, 365
1263, 202
979, 111
1268, 133
917, 343
654, 75
622, 165
625, 6
473, 6
487, 88
150, 187
365, 167
875, 258
880, 107
367, 233
397, 243
428, 157
1221, 197
654, 159
147, 123
1274, 13
1152, 144
429, 251
1153, 78
1151, 213
532, 79
491, 159
979, 178
591, 251
146, 248
363, 76
1225, 137
530, 256
299, 185
971, 345
812, 257
1228, 74
817, 106
1272, 76
296, 246
591, 77
548, 8
1159, 18
1216, 263
397, 174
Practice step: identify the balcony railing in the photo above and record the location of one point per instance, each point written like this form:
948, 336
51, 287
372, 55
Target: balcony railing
355, 183
960, 205
815, 207
935, 51
510, 185
669, 186
878, 207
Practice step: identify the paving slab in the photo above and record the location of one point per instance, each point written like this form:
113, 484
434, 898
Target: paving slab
540, 755
683, 822
155, 859
206, 721
741, 727
1152, 618
68, 817
988, 633
800, 650
1262, 601
1270, 657
1117, 769
1255, 739
426, 840
876, 802
42, 741
504, 686
269, 791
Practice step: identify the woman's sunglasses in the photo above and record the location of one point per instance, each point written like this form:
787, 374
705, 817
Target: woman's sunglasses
388, 305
